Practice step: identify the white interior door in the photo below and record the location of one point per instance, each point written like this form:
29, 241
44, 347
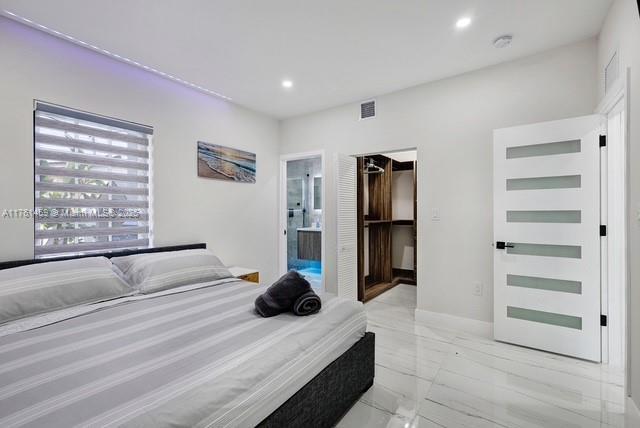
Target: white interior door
347, 238
547, 236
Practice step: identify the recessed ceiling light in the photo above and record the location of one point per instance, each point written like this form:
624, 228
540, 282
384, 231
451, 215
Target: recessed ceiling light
287, 84
463, 22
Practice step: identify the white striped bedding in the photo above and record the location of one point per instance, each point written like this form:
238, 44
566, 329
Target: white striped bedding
194, 356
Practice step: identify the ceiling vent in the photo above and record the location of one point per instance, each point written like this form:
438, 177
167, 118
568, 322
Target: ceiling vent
368, 110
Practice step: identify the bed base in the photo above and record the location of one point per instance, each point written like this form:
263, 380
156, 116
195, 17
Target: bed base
327, 397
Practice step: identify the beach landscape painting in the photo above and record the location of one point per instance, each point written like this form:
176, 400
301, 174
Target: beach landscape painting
226, 163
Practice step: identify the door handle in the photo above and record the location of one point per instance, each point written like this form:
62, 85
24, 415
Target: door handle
501, 245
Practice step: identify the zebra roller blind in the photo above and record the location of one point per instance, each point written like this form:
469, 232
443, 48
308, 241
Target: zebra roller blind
92, 183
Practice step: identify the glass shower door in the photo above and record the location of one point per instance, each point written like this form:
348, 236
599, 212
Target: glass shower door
304, 214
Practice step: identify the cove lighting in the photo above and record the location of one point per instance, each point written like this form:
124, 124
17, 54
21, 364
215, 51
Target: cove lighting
72, 39
463, 22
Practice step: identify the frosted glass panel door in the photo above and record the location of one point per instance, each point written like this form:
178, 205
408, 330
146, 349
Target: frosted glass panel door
547, 238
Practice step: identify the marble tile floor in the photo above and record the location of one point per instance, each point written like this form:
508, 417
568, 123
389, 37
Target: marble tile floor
432, 377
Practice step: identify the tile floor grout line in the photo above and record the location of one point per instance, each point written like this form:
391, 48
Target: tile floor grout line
507, 372
536, 365
528, 396
408, 351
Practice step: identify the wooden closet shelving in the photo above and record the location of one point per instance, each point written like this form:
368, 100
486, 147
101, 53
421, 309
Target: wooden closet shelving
403, 222
368, 222
379, 223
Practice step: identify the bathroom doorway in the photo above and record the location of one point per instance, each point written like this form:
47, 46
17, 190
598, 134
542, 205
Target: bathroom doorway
302, 216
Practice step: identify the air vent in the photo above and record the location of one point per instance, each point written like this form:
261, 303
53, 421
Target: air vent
368, 110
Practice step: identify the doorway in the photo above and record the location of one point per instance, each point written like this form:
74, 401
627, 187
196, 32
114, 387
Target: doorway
615, 284
386, 227
302, 216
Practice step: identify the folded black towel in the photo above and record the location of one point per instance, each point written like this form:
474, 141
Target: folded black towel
281, 296
307, 304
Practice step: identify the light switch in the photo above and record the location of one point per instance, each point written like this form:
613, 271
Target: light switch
435, 214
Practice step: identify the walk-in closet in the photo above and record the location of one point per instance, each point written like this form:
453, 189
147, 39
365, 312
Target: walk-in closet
386, 222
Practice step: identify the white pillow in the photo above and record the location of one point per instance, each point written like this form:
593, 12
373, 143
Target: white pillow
46, 287
153, 272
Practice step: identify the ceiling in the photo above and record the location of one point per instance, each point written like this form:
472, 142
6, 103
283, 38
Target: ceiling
334, 51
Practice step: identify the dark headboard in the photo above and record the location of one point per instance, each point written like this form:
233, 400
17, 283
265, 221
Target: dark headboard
16, 263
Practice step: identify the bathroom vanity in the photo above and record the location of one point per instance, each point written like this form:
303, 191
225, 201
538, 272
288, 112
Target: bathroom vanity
309, 243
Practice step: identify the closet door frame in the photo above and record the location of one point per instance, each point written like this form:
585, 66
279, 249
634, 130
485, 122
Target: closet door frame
360, 213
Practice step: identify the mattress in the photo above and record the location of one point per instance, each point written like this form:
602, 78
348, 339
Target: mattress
194, 356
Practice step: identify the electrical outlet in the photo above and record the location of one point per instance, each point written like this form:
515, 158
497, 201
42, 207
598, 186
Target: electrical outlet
477, 288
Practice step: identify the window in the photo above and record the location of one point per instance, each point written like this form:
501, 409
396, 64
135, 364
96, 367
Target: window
92, 183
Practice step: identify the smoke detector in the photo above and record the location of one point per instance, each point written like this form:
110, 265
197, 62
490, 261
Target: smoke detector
502, 41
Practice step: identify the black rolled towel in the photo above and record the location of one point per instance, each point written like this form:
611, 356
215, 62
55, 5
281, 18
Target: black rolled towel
307, 304
280, 296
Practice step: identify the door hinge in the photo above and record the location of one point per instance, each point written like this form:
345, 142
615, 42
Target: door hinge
603, 141
603, 320
603, 230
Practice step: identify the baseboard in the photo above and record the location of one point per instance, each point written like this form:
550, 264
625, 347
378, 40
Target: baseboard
632, 418
452, 322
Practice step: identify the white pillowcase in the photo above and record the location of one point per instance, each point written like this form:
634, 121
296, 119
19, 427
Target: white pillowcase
153, 272
45, 287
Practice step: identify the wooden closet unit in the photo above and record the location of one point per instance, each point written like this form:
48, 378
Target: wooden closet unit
376, 225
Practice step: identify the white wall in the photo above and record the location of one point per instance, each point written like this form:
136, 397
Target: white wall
238, 221
621, 31
402, 242
402, 195
451, 123
402, 247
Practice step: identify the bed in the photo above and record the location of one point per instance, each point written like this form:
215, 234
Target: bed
196, 355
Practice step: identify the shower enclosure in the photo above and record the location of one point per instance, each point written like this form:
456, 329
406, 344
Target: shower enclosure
304, 218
